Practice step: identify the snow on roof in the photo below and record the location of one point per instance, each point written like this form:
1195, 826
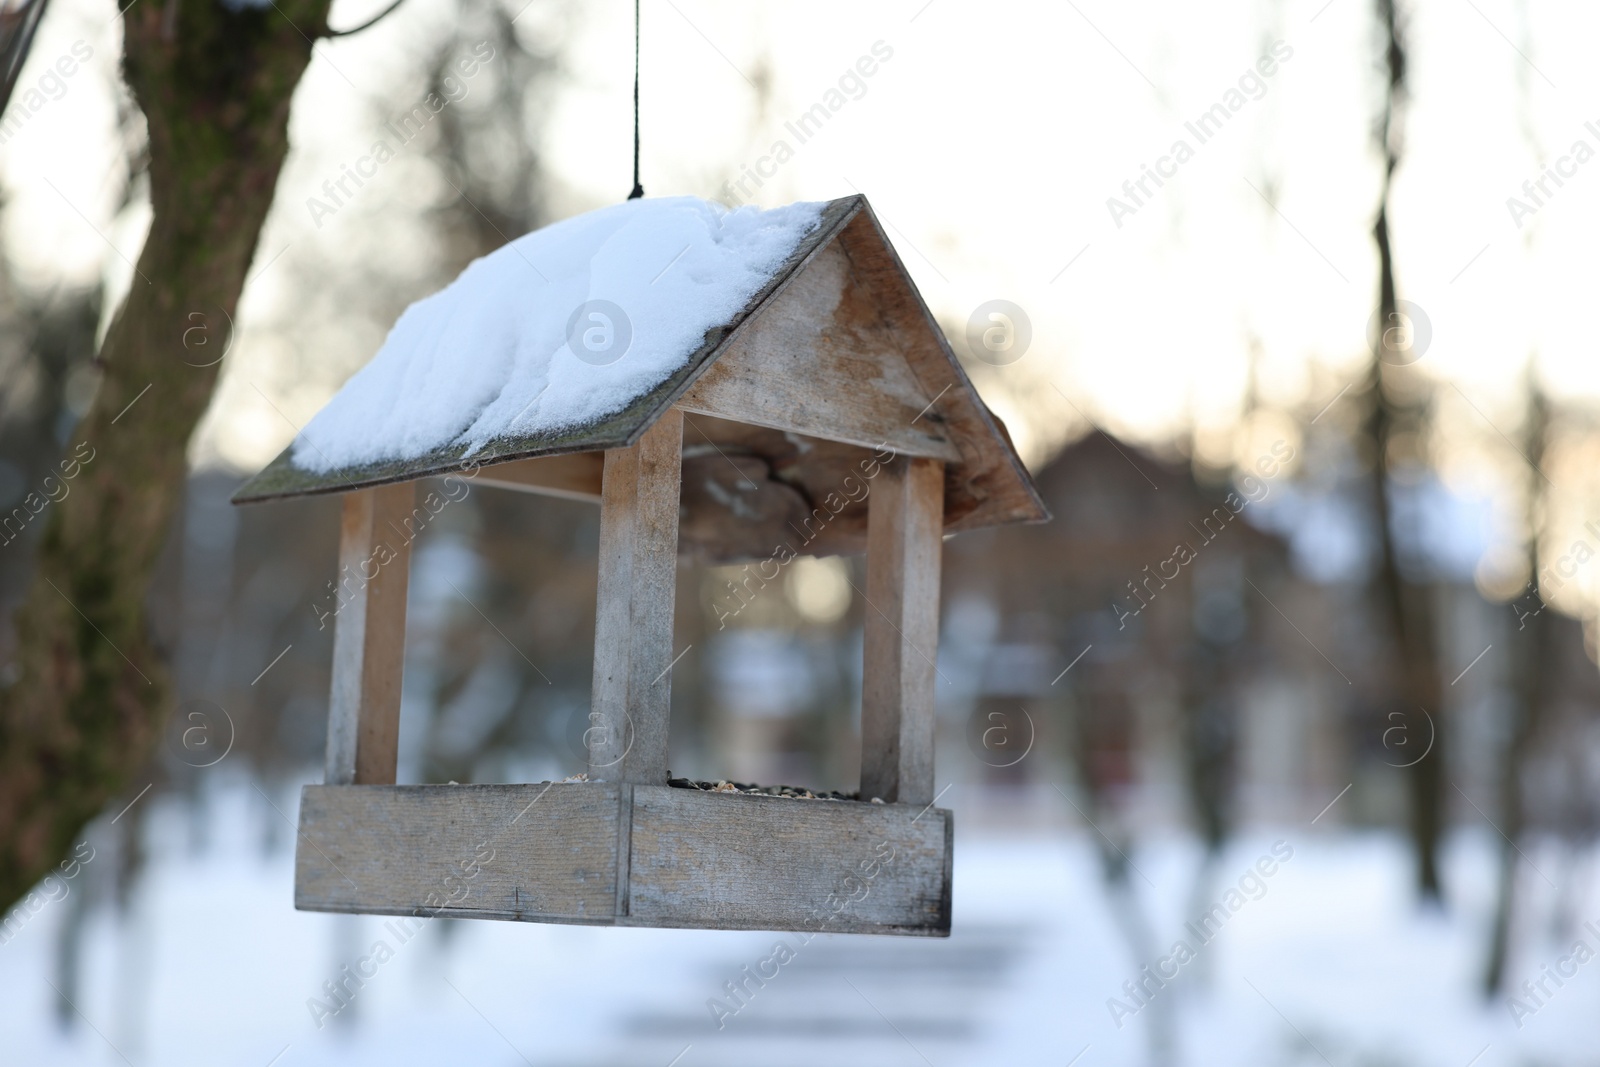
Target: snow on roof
557, 329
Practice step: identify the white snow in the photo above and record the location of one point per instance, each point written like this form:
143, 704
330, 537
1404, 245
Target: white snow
210, 964
489, 355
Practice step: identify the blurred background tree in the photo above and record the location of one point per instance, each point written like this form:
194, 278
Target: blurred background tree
90, 694
1256, 689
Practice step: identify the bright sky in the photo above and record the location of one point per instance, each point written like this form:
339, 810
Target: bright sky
989, 142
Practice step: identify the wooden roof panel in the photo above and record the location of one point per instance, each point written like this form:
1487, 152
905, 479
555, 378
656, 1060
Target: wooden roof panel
282, 479
838, 345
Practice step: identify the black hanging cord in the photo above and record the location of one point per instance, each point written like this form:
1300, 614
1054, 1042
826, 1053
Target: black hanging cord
638, 190
370, 22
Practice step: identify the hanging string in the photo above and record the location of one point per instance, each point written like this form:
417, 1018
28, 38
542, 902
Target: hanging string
638, 190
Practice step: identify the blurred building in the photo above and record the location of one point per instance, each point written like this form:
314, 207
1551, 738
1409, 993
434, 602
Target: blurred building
1136, 636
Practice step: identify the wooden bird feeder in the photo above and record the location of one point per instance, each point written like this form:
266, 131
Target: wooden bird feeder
833, 375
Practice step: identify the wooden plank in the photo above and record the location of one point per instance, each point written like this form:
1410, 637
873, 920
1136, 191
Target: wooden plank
989, 486
725, 522
896, 344
634, 607
733, 507
369, 635
550, 853
728, 861
821, 360
901, 631
536, 853
282, 478
571, 477
879, 311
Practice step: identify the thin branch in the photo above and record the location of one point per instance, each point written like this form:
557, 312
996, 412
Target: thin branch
373, 21
17, 27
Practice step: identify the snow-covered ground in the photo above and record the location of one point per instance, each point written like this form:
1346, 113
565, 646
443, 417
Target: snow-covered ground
1326, 960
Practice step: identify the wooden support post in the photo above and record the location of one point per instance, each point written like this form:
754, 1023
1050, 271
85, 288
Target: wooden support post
627, 739
905, 530
369, 636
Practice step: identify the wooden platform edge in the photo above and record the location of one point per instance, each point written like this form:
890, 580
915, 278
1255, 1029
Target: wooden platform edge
550, 853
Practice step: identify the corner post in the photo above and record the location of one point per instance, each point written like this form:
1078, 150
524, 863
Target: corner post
627, 739
369, 636
905, 532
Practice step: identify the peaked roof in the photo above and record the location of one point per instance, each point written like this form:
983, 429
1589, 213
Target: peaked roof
986, 483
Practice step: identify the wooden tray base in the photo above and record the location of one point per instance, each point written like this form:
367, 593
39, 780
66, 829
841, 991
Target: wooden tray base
608, 854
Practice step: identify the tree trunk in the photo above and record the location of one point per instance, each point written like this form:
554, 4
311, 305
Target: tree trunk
1407, 604
1531, 666
91, 695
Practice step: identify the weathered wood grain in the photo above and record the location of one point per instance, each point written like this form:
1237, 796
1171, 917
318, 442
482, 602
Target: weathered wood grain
737, 862
369, 635
841, 314
552, 853
282, 478
821, 360
988, 486
901, 631
575, 476
831, 479
632, 692
538, 853
733, 507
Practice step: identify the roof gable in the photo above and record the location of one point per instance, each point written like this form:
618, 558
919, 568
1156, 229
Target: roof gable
837, 344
